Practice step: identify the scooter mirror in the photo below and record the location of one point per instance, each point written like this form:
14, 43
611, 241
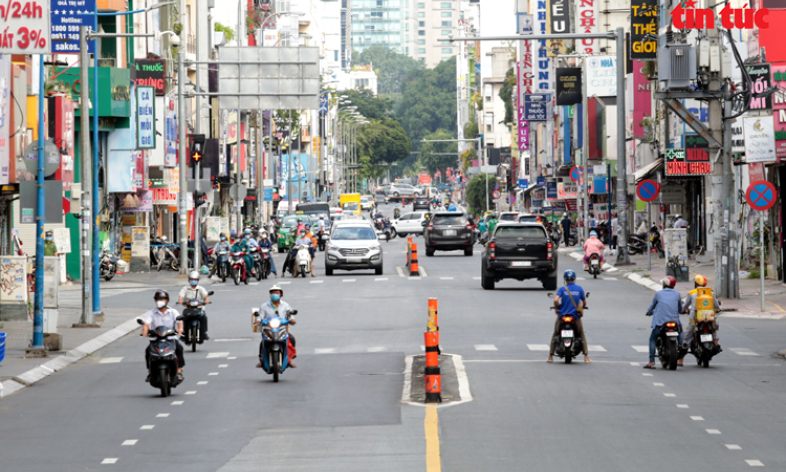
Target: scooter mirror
210, 293
180, 318
550, 295
140, 321
293, 312
586, 295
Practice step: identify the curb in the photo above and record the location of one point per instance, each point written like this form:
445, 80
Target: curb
59, 363
632, 276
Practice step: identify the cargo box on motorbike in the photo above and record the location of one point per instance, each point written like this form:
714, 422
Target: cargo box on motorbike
705, 305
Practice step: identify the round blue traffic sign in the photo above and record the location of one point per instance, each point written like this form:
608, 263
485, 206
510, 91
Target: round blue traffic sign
761, 195
575, 173
647, 190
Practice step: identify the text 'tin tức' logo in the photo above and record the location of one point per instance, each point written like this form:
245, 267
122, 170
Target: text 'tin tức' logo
687, 16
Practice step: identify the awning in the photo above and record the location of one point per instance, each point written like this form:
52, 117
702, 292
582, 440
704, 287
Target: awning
648, 170
531, 188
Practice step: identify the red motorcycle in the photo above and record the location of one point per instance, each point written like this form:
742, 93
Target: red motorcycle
239, 272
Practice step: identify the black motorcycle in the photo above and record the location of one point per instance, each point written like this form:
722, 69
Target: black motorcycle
568, 341
163, 358
259, 261
637, 244
193, 315
593, 266
322, 238
703, 345
666, 345
223, 268
108, 266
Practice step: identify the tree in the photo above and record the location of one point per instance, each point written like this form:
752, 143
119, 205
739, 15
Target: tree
476, 193
373, 107
506, 94
470, 130
381, 143
228, 32
428, 101
391, 67
434, 157
467, 157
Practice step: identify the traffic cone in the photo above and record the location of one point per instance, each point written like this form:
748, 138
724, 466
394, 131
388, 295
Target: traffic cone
413, 263
433, 378
433, 319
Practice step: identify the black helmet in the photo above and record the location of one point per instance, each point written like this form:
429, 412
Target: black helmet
161, 294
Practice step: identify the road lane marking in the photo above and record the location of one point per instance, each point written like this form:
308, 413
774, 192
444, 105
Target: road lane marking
643, 349
635, 364
223, 366
177, 402
538, 347
657, 384
130, 442
162, 415
697, 418
253, 283
400, 272
348, 280
328, 350
213, 373
682, 405
609, 278
733, 447
581, 278
422, 271
754, 463
110, 360
109, 460
596, 348
376, 349
316, 281
381, 279
147, 427
202, 382
431, 426
743, 351
191, 392
446, 278
485, 347
477, 278
285, 282
713, 431
214, 355
646, 375
670, 395
231, 358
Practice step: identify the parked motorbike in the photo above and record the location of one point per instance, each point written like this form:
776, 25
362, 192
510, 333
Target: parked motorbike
273, 352
666, 345
303, 260
556, 235
239, 272
637, 244
192, 322
163, 255
568, 342
163, 358
108, 266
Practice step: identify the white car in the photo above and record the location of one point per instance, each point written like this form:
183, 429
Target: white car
409, 223
365, 202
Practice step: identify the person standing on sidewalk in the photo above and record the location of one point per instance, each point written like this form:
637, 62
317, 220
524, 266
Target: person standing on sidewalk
50, 248
566, 223
613, 225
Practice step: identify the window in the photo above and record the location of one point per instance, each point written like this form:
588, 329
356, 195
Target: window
421, 33
421, 5
350, 233
447, 50
447, 14
421, 24
512, 232
449, 220
421, 50
421, 14
445, 32
446, 5
446, 24
421, 42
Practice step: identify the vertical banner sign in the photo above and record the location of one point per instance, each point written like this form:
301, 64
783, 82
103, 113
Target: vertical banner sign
152, 73
643, 29
541, 68
761, 81
586, 22
67, 17
146, 117
61, 128
759, 139
779, 114
170, 158
524, 78
5, 117
25, 27
642, 102
568, 85
558, 20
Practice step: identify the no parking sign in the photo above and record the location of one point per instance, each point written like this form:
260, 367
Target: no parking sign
647, 190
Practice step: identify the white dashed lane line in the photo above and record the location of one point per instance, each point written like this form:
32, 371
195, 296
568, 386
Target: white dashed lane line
446, 278
485, 347
670, 395
223, 366
329, 350
381, 279
109, 460
162, 415
376, 349
215, 355
317, 281
130, 442
713, 431
754, 463
147, 427
596, 348
733, 447
657, 384
202, 382
191, 392
177, 402
643, 349
743, 351
213, 373
538, 347
348, 280
682, 405
110, 360
697, 418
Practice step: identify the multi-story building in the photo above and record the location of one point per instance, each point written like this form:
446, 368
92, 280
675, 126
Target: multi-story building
431, 23
380, 23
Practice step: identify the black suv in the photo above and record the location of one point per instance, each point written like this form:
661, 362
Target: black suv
448, 231
421, 203
519, 251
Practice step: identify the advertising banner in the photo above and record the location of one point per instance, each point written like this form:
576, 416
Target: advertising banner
151, 73
568, 85
67, 18
537, 107
642, 99
602, 76
170, 159
567, 190
779, 115
25, 27
761, 80
558, 20
61, 131
5, 117
759, 139
677, 164
13, 279
643, 29
586, 22
541, 67
146, 117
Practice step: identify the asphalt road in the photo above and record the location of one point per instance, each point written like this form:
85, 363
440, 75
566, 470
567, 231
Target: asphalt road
341, 409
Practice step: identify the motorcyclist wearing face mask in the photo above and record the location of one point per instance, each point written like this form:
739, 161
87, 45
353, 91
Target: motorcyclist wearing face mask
221, 245
266, 243
241, 245
162, 315
278, 307
195, 291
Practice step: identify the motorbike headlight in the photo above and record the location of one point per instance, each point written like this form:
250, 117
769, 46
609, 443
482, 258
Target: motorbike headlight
274, 323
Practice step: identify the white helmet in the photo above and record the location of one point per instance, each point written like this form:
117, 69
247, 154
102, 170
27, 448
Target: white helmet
276, 287
193, 275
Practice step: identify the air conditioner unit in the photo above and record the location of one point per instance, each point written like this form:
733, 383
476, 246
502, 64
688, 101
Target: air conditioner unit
676, 66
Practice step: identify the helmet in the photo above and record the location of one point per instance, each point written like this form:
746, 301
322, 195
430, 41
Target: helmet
247, 231
193, 275
677, 216
569, 275
276, 287
164, 238
233, 233
669, 282
700, 280
221, 235
161, 294
593, 233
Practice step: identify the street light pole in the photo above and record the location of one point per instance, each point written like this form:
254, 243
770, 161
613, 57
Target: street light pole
87, 317
181, 136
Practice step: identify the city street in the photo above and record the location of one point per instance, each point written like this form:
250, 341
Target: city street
341, 408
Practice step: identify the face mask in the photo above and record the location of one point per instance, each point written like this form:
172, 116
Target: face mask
193, 283
160, 303
275, 297
48, 239
223, 239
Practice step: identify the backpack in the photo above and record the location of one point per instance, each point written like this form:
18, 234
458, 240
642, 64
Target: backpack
705, 304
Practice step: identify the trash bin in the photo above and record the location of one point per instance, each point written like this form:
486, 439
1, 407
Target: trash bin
2, 346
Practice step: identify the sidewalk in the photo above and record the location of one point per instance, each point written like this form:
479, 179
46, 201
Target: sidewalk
16, 371
747, 306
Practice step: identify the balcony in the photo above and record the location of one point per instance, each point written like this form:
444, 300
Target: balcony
191, 44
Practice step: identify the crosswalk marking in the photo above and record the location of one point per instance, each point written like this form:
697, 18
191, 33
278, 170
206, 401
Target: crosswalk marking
328, 350
110, 360
316, 281
376, 349
538, 347
609, 278
485, 347
641, 348
214, 355
446, 278
348, 280
596, 348
743, 351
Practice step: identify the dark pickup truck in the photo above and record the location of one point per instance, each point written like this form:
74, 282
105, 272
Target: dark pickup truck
519, 251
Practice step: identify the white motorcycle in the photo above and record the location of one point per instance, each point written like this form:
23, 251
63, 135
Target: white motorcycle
303, 260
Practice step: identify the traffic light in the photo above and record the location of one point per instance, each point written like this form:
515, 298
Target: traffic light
199, 199
197, 148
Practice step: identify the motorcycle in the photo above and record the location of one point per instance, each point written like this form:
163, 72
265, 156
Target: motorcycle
637, 244
163, 358
386, 228
322, 238
192, 319
594, 266
703, 345
223, 268
379, 223
556, 235
165, 255
108, 265
568, 343
259, 262
303, 260
666, 345
239, 272
273, 348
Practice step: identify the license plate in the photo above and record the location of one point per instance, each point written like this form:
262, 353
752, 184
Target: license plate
449, 232
706, 338
594, 263
521, 264
567, 333
672, 333
354, 259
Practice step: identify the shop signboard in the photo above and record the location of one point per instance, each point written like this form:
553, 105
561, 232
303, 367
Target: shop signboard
146, 117
761, 80
587, 22
759, 139
5, 117
779, 112
566, 190
677, 164
643, 29
551, 190
601, 76
558, 19
671, 194
170, 159
541, 64
152, 73
13, 279
537, 107
568, 85
67, 18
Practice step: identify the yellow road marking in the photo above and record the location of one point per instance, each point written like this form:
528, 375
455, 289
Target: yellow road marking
431, 425
775, 304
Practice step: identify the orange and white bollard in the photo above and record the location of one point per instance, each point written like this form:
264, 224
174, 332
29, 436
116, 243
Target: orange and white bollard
433, 318
409, 250
433, 378
413, 263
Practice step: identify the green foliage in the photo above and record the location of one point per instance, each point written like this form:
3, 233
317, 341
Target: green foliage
228, 32
471, 130
433, 162
369, 105
506, 94
391, 67
476, 193
467, 157
428, 101
381, 141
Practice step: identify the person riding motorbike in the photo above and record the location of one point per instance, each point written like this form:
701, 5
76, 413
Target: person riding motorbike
492, 224
265, 243
593, 246
278, 307
221, 245
396, 213
300, 226
567, 301
241, 244
666, 307
162, 315
195, 291
290, 262
690, 307
312, 248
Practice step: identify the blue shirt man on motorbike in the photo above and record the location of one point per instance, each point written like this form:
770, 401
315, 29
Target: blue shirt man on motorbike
666, 306
567, 301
